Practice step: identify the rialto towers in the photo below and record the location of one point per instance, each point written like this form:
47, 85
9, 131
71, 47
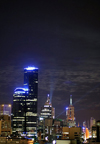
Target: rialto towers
24, 109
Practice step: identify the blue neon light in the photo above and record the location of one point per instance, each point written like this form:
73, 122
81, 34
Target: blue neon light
66, 108
20, 90
31, 68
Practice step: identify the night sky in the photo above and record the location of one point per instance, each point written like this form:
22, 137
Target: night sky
62, 39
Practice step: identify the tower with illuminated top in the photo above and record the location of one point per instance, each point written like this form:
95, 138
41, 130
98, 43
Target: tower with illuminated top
31, 83
19, 110
47, 111
70, 114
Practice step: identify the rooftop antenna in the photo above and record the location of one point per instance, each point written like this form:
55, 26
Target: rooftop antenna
70, 99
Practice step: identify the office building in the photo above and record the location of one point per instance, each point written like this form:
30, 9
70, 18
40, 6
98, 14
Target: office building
5, 109
31, 83
70, 114
24, 109
47, 111
19, 110
5, 125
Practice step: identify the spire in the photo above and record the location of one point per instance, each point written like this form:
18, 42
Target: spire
70, 99
48, 98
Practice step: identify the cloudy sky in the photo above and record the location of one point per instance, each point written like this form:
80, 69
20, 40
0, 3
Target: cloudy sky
62, 39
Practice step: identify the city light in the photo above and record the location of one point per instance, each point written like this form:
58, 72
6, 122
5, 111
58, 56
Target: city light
31, 68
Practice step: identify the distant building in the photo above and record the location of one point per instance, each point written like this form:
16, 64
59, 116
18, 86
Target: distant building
5, 109
70, 114
5, 125
47, 111
92, 122
84, 124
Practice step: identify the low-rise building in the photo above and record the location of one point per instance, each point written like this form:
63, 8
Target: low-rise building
71, 133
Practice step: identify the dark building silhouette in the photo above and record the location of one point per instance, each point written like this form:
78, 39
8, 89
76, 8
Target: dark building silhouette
98, 130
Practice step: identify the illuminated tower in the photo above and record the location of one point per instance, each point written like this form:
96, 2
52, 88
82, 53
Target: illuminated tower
19, 110
31, 83
48, 111
70, 114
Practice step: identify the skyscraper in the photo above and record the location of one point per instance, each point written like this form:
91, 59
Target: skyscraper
24, 109
47, 111
19, 110
70, 114
31, 83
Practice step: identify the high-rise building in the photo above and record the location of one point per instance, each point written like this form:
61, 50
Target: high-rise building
47, 111
5, 109
24, 109
70, 114
31, 83
19, 110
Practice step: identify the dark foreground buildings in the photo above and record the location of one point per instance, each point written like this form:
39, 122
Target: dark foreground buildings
24, 109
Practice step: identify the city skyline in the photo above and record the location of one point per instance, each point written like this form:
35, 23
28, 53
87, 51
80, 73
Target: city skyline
62, 40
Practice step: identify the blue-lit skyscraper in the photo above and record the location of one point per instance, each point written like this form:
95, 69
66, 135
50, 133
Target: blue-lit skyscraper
31, 83
24, 108
19, 110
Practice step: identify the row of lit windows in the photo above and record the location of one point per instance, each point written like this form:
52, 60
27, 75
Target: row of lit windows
31, 99
18, 100
17, 125
47, 106
31, 128
45, 114
46, 110
18, 96
31, 122
31, 114
18, 119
